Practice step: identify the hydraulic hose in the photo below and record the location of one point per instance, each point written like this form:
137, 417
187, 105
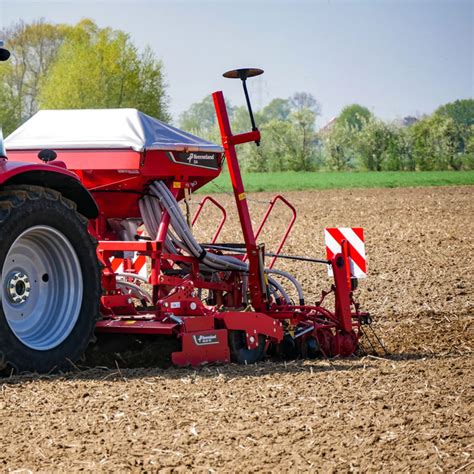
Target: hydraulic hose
279, 288
179, 224
151, 210
293, 280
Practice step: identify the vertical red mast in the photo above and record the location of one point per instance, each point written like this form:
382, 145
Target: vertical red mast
229, 141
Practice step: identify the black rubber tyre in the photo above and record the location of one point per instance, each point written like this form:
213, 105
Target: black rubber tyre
23, 208
239, 351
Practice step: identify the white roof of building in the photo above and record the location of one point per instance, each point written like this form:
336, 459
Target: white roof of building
102, 128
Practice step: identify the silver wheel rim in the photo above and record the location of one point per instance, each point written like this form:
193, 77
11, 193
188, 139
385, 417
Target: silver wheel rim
42, 288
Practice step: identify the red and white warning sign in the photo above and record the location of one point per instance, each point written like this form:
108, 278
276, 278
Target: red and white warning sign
138, 262
354, 236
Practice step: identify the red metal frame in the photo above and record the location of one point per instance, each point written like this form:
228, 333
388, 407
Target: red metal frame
223, 218
257, 292
274, 200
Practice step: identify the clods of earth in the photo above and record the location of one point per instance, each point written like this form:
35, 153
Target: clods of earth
411, 410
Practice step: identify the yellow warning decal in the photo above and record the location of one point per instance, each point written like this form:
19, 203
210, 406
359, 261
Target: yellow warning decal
176, 184
241, 196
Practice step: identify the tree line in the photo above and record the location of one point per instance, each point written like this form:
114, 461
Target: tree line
55, 66
58, 66
355, 140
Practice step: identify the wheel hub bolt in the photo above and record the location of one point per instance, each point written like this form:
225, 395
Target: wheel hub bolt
18, 287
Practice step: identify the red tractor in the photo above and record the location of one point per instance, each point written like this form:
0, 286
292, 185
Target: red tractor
50, 282
221, 301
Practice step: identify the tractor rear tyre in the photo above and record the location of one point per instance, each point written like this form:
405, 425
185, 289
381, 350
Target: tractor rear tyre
50, 282
239, 351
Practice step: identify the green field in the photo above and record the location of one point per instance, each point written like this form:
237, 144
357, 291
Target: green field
293, 181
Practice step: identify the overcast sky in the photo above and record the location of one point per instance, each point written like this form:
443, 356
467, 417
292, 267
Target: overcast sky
397, 58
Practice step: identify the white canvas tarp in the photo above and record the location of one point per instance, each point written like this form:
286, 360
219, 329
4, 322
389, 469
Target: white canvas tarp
102, 128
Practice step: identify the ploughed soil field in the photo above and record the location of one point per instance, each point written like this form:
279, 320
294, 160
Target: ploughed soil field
411, 410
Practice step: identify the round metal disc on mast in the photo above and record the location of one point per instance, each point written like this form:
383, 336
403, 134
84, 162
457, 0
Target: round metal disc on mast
243, 74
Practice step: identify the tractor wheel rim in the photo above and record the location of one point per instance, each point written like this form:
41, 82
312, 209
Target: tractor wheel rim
42, 288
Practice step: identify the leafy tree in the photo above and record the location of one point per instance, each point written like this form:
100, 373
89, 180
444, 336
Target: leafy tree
256, 158
302, 138
34, 48
240, 120
402, 159
200, 118
461, 111
339, 147
276, 135
297, 140
304, 100
101, 68
468, 161
286, 144
277, 109
438, 143
422, 145
341, 141
354, 116
377, 143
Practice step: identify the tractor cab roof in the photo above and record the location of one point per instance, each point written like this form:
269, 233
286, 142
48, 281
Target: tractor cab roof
103, 129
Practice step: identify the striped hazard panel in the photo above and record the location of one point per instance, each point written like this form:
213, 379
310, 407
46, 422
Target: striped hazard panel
139, 263
354, 236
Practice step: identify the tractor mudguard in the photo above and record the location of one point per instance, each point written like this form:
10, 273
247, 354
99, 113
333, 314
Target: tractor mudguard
55, 177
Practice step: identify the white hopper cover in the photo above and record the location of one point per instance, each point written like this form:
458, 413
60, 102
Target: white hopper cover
102, 128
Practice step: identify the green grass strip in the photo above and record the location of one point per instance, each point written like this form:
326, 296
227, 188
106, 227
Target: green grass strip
296, 181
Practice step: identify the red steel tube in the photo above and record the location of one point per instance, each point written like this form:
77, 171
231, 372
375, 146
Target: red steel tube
257, 292
223, 218
276, 198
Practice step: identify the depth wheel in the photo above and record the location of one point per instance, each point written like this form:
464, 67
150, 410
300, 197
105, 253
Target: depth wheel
239, 351
50, 281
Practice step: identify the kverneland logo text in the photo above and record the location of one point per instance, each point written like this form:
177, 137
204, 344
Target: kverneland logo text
205, 340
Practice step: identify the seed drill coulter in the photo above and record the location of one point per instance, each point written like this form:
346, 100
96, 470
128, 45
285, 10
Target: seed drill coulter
223, 302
